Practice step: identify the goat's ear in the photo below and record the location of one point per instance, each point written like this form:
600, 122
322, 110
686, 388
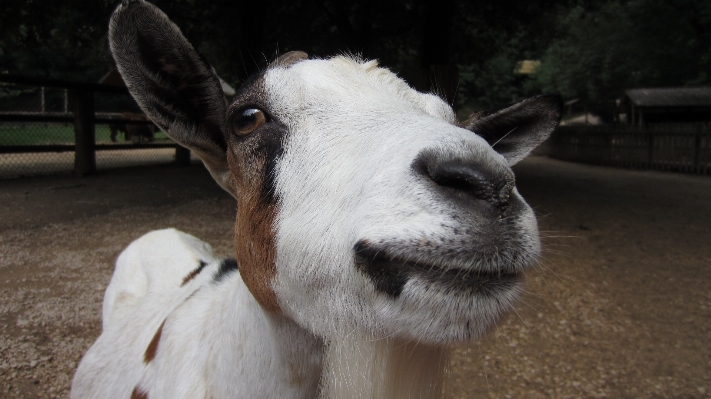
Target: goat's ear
516, 130
171, 82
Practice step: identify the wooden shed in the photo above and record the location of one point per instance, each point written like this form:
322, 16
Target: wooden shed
667, 105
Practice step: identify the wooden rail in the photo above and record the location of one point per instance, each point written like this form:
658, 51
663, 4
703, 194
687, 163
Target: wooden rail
84, 118
680, 148
19, 149
63, 84
63, 118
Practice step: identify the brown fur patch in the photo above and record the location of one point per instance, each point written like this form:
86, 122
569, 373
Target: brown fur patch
193, 273
189, 277
153, 346
254, 235
138, 394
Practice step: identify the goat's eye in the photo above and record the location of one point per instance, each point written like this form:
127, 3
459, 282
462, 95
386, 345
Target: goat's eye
249, 120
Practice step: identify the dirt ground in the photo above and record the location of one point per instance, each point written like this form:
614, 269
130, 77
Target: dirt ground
620, 306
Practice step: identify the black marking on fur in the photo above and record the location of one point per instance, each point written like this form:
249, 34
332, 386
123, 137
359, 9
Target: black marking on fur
390, 274
387, 278
227, 267
273, 150
193, 273
266, 144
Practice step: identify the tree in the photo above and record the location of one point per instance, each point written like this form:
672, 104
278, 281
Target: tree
490, 38
590, 50
600, 52
51, 39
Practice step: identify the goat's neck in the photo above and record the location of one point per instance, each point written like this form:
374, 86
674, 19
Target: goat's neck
269, 353
349, 366
358, 367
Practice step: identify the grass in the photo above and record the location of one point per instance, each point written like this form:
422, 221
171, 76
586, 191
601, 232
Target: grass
38, 133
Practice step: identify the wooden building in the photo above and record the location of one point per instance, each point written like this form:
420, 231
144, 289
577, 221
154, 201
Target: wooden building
667, 105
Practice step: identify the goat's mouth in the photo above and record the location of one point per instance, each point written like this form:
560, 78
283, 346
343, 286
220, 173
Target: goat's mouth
390, 274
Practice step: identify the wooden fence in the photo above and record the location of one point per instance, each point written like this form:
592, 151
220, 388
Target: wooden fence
670, 147
82, 115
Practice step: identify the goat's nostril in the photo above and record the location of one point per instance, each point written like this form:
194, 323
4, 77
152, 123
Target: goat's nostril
460, 177
473, 180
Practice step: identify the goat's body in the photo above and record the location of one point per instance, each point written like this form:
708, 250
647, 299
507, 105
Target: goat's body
373, 231
207, 338
215, 341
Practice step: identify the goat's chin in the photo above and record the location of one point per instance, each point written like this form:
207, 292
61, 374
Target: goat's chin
443, 313
440, 300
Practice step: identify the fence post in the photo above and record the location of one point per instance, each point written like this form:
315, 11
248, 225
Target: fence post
84, 137
697, 149
650, 155
182, 155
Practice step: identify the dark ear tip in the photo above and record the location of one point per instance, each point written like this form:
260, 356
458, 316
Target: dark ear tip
133, 15
553, 103
127, 4
132, 6
554, 100
131, 3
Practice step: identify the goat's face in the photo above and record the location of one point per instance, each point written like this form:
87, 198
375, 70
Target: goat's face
362, 204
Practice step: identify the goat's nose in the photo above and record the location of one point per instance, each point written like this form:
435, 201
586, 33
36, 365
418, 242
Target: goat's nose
473, 178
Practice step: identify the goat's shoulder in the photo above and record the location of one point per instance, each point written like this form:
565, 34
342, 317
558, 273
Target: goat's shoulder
162, 263
161, 292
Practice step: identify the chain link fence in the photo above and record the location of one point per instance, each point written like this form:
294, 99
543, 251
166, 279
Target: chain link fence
40, 125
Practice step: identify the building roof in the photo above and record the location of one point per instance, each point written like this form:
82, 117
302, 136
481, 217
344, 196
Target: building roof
671, 97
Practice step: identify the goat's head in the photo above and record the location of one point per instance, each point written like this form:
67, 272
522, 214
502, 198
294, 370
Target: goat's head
362, 203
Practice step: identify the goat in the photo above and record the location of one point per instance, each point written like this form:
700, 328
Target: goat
133, 132
373, 231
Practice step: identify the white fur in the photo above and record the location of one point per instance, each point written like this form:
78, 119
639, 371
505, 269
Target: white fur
226, 345
346, 175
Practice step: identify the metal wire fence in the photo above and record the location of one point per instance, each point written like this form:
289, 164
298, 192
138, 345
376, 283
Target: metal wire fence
61, 160
46, 129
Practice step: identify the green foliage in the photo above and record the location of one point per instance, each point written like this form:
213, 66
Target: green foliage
590, 50
599, 52
490, 38
55, 39
491, 83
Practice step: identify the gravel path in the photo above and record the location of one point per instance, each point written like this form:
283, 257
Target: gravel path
619, 307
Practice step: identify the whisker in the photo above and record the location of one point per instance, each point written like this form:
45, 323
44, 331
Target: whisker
503, 137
